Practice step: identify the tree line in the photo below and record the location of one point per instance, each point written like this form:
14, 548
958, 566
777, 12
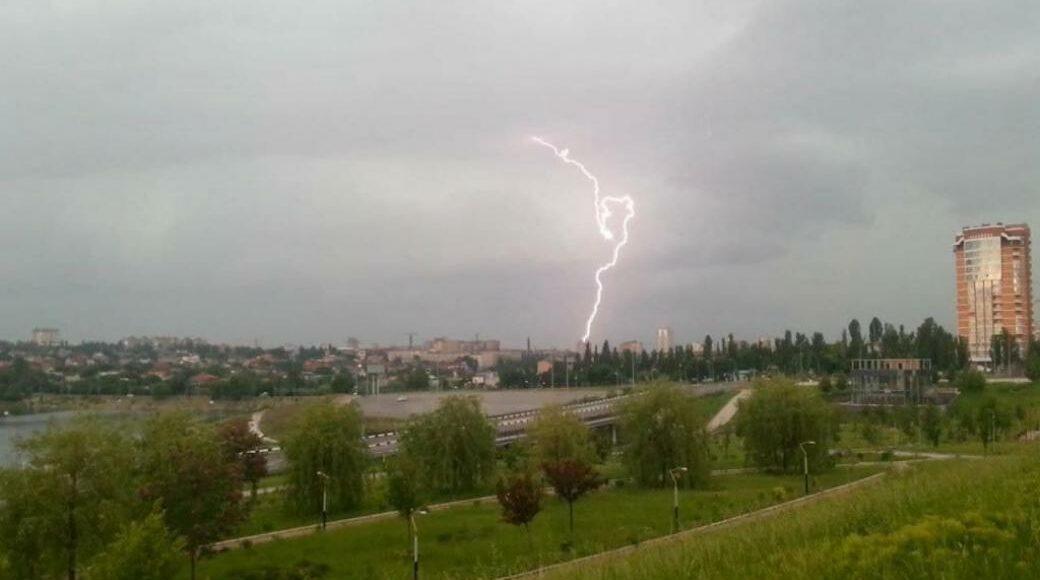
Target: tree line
94, 501
793, 354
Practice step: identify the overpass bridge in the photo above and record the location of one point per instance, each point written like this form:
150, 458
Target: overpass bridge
512, 427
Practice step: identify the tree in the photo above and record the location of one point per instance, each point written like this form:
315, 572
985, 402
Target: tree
556, 435
571, 479
405, 491
185, 467
971, 382
454, 445
68, 502
778, 417
144, 550
855, 339
343, 383
327, 439
1033, 362
241, 446
931, 424
664, 429
520, 495
991, 418
876, 331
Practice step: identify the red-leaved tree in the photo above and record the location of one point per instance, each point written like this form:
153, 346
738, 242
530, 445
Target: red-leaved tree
571, 479
520, 495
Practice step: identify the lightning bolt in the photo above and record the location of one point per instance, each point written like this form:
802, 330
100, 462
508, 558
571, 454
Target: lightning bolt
601, 205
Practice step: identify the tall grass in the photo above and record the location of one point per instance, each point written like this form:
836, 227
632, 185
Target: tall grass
949, 520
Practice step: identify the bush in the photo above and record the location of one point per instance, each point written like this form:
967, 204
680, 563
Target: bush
971, 382
825, 384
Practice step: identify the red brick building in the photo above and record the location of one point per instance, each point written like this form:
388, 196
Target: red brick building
994, 286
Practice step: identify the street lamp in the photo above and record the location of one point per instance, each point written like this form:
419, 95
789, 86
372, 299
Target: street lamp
805, 459
674, 472
415, 542
324, 499
992, 429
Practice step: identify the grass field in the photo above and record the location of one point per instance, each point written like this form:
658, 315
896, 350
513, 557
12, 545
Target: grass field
950, 519
471, 541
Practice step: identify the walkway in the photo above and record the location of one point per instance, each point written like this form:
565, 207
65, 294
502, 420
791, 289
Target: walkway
728, 411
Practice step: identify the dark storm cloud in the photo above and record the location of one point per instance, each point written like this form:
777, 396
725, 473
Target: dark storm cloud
309, 172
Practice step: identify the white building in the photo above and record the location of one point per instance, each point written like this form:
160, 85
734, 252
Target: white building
46, 337
664, 339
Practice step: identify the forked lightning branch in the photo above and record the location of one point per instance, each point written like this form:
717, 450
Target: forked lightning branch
602, 206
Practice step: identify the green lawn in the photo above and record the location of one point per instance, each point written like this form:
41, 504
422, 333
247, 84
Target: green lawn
951, 520
471, 541
269, 513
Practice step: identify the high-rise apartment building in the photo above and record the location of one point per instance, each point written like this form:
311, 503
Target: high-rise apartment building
994, 286
664, 339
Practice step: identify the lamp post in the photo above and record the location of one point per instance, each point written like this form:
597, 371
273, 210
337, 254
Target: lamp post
674, 472
324, 499
805, 459
992, 429
415, 542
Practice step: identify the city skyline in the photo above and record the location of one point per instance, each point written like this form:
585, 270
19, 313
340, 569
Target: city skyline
368, 171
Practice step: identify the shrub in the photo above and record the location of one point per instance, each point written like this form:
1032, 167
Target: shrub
971, 382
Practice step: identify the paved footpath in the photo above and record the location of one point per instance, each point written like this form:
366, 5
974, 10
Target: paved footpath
728, 411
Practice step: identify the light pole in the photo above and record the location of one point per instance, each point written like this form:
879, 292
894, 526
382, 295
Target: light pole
992, 429
674, 472
805, 459
324, 499
415, 542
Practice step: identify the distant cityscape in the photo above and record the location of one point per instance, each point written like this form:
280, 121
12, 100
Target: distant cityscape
994, 314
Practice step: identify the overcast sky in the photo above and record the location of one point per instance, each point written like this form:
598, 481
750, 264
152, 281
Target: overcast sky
308, 171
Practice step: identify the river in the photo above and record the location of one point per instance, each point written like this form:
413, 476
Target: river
14, 427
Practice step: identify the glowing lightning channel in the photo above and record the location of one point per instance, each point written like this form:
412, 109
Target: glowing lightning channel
603, 213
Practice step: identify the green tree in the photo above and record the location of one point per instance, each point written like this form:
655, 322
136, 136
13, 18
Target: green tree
144, 550
1033, 362
876, 330
991, 418
855, 339
241, 446
71, 498
343, 383
185, 467
664, 429
571, 479
454, 445
556, 435
405, 491
778, 417
328, 439
932, 424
